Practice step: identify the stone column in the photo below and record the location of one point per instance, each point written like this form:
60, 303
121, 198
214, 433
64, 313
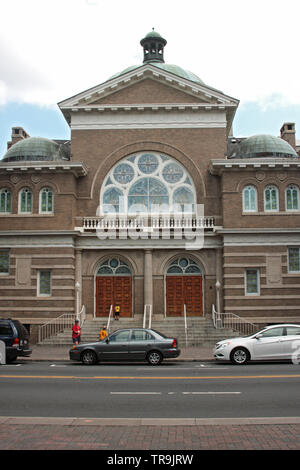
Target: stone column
148, 282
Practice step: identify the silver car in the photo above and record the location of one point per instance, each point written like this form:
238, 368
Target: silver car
130, 344
276, 342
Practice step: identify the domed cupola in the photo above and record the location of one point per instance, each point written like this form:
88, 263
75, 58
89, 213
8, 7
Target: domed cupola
264, 146
153, 44
35, 149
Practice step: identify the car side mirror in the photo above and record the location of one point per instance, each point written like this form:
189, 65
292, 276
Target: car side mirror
107, 340
258, 336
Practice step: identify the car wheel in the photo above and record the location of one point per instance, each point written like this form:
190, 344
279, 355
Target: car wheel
89, 358
154, 358
10, 359
239, 356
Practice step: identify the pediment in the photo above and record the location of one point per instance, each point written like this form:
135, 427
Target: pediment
147, 84
146, 91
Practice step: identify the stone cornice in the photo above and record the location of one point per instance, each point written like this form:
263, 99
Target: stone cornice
218, 167
77, 168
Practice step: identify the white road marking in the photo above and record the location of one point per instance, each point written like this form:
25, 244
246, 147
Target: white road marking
211, 393
173, 393
135, 393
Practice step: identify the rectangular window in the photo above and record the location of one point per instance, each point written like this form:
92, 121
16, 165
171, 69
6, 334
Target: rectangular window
4, 261
44, 283
294, 260
252, 282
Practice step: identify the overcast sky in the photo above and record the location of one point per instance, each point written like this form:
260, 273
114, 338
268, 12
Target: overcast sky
53, 49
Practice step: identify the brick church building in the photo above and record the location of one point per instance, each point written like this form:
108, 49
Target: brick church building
152, 202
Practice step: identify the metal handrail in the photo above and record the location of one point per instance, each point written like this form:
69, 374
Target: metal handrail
233, 322
59, 324
185, 325
149, 306
109, 318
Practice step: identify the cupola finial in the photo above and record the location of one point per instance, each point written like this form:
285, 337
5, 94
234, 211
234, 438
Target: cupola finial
153, 44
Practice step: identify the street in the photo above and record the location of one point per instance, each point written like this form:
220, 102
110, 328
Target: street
172, 390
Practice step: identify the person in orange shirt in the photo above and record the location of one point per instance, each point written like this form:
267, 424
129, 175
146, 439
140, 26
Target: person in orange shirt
103, 333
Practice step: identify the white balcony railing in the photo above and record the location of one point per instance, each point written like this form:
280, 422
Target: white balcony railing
147, 223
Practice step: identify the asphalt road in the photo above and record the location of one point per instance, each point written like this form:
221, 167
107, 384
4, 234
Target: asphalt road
183, 390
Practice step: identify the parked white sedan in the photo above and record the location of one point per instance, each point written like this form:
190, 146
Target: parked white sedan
274, 342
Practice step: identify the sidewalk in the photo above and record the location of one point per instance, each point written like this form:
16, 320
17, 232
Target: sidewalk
61, 353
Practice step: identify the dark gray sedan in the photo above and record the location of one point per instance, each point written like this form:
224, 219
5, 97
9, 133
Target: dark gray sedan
130, 344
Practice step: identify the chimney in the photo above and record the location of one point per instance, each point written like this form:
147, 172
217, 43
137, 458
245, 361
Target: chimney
17, 134
288, 133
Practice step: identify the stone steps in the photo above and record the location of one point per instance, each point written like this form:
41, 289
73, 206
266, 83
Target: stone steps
200, 330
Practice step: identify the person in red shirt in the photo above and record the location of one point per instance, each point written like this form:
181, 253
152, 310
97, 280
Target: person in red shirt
76, 332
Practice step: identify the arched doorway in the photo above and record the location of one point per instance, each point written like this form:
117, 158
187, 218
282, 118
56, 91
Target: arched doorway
184, 287
113, 286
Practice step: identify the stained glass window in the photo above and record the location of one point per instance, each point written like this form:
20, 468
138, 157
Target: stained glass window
113, 200
147, 193
148, 163
183, 198
148, 182
113, 266
123, 173
184, 266
172, 173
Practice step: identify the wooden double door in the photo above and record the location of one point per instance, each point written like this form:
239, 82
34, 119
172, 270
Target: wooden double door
113, 290
184, 290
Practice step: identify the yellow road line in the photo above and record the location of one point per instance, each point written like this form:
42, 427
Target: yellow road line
105, 377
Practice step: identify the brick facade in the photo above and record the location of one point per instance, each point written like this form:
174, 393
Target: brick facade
149, 111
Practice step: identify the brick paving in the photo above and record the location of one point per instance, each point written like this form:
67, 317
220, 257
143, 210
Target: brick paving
207, 437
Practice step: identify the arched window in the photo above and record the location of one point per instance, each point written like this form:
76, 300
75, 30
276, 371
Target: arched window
184, 265
147, 182
249, 199
25, 201
5, 201
292, 198
146, 194
271, 198
46, 201
114, 267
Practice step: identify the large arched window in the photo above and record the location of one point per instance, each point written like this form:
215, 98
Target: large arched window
249, 199
147, 182
271, 198
292, 198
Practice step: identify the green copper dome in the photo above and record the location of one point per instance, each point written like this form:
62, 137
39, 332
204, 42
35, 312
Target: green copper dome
171, 68
35, 149
264, 145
